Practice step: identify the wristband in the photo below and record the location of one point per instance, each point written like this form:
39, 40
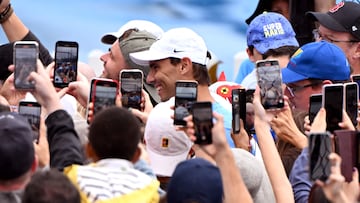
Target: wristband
6, 13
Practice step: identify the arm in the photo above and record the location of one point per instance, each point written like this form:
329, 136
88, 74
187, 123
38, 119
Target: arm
274, 167
64, 143
15, 30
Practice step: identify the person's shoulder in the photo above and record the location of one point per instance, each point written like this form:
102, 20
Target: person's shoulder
250, 81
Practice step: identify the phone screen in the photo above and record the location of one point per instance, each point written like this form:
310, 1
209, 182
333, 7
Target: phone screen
131, 86
351, 101
103, 94
202, 118
319, 150
333, 103
185, 96
238, 108
25, 56
66, 59
269, 81
314, 106
31, 111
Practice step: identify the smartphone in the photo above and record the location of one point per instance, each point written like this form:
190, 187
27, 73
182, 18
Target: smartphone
185, 96
356, 78
351, 99
203, 122
31, 111
269, 81
238, 97
315, 103
102, 93
66, 61
25, 56
131, 81
319, 150
333, 99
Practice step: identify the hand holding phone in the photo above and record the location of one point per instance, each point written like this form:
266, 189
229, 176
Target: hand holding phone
319, 151
270, 81
185, 96
31, 111
102, 94
25, 60
66, 59
203, 122
131, 81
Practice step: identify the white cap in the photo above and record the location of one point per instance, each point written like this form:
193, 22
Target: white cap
165, 146
177, 43
111, 37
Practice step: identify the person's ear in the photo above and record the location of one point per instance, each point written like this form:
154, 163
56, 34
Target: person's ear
357, 51
185, 65
90, 153
250, 55
35, 164
137, 155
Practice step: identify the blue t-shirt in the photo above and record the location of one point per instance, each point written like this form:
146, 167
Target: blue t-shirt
218, 108
246, 67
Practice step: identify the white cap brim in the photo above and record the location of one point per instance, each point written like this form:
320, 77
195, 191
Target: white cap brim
165, 165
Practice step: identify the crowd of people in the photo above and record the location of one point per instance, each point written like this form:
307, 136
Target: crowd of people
139, 155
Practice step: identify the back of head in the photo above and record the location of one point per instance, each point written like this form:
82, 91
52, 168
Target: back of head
165, 145
50, 187
16, 146
317, 60
6, 59
195, 180
114, 133
270, 31
254, 175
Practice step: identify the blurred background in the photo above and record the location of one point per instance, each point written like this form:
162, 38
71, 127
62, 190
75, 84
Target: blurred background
220, 22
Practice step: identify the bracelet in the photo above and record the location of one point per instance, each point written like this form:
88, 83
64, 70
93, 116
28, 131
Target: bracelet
6, 13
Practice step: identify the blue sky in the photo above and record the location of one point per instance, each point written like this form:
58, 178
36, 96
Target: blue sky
219, 22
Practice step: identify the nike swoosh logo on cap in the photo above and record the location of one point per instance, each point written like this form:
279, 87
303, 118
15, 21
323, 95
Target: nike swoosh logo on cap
177, 51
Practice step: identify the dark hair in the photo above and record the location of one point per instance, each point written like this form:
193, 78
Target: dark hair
281, 51
317, 195
114, 133
50, 186
200, 72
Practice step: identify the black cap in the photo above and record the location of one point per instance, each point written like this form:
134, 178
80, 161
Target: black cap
344, 17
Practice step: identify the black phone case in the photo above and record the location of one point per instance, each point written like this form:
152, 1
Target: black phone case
183, 103
202, 124
319, 150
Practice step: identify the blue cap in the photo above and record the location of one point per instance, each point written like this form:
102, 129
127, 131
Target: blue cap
270, 31
195, 180
317, 60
